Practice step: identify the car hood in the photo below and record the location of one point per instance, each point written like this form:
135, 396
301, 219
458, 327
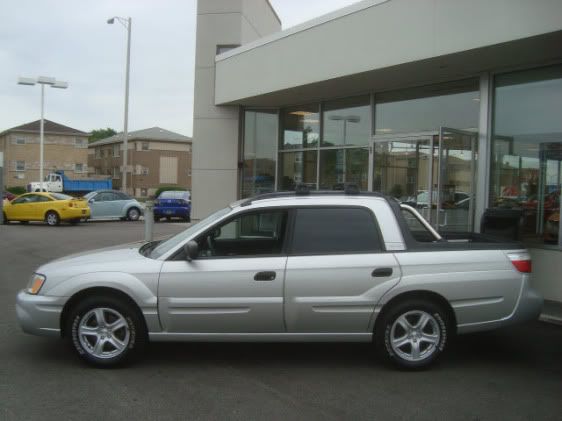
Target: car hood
106, 255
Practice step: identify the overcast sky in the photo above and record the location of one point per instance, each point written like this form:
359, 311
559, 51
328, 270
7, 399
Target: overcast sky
70, 40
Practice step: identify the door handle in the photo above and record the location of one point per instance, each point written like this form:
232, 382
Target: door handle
382, 272
265, 276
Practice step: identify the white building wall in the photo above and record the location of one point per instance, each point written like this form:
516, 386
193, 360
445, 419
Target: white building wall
215, 129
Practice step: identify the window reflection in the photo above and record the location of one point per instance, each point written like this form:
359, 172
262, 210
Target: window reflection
347, 122
297, 168
301, 127
339, 167
260, 135
526, 171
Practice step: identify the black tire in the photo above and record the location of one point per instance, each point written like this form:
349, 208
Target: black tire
156, 219
74, 221
132, 335
4, 219
422, 345
133, 214
24, 222
52, 218
187, 219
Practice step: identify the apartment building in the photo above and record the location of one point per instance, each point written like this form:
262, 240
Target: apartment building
65, 149
156, 157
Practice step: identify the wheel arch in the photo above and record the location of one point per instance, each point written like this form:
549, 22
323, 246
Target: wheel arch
98, 291
431, 296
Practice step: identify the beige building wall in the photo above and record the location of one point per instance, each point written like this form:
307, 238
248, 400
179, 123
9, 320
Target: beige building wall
215, 163
145, 165
62, 152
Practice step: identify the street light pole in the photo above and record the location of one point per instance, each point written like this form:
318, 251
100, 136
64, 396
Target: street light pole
42, 80
126, 22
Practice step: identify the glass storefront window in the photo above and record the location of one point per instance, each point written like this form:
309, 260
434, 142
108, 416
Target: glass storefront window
260, 137
347, 122
526, 167
301, 127
455, 105
297, 168
339, 167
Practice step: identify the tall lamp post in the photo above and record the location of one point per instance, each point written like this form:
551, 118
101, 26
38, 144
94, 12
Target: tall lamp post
53, 83
126, 22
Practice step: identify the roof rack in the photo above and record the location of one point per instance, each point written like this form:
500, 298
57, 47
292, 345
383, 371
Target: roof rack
304, 190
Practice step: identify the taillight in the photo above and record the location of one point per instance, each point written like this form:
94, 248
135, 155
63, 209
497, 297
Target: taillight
521, 261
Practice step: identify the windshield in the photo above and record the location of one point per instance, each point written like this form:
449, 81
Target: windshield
172, 242
60, 196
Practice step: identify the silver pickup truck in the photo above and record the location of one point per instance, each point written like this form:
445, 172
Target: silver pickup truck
314, 266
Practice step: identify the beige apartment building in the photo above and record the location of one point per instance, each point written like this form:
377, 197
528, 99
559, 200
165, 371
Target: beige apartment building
65, 149
156, 157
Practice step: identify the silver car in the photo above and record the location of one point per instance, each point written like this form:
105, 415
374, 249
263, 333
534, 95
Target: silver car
112, 204
286, 267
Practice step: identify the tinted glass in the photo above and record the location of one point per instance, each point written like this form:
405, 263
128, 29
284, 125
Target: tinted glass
343, 166
347, 122
455, 105
300, 127
253, 234
335, 230
297, 168
260, 137
60, 196
526, 167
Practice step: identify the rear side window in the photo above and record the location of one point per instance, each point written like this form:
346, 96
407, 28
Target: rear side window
335, 231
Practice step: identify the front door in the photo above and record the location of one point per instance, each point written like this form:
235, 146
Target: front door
431, 171
236, 283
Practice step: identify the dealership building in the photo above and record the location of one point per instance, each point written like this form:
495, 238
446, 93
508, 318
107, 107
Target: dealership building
453, 106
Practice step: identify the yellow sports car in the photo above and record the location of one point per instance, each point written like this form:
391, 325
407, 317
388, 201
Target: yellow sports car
49, 207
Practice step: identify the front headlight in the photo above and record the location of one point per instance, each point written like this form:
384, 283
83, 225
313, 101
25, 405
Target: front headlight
35, 283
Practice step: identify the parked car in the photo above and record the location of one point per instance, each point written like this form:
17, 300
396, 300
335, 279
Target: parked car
49, 207
107, 204
173, 204
286, 267
8, 196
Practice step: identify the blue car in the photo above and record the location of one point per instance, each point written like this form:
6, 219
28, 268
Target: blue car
173, 204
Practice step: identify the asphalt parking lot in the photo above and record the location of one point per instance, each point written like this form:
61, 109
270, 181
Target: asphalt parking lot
514, 373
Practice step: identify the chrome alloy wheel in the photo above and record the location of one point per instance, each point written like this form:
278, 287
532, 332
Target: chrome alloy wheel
103, 333
52, 219
133, 214
415, 335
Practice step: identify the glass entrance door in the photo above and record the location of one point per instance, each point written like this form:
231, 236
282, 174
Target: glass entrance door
431, 171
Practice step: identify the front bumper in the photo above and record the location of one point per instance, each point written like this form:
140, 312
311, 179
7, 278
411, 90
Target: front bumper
39, 314
172, 211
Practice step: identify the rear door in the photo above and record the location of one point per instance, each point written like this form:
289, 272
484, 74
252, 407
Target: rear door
337, 270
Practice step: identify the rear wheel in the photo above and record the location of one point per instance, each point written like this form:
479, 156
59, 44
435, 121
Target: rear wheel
133, 214
105, 331
52, 218
413, 333
5, 219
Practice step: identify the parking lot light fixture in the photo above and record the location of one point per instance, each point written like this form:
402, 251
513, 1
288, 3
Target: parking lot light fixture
126, 22
53, 83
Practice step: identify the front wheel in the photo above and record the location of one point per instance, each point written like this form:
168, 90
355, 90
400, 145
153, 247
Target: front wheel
52, 218
105, 331
413, 334
133, 214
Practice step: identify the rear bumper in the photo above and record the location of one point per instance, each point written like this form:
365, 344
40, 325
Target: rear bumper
528, 307
38, 314
162, 211
75, 213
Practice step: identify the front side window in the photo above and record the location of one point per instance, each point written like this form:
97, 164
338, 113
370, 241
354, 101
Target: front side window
251, 234
335, 231
526, 162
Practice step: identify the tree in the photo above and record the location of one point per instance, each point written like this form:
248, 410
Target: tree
101, 134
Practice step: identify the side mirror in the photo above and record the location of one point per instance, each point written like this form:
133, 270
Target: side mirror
191, 249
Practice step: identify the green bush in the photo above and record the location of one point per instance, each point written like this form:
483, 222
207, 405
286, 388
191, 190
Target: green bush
16, 190
168, 188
